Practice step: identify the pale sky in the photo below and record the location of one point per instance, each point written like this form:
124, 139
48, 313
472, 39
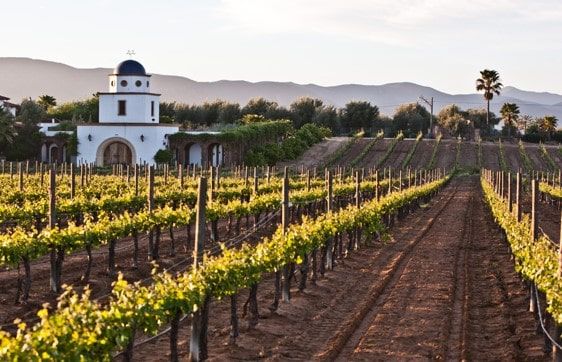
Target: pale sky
437, 43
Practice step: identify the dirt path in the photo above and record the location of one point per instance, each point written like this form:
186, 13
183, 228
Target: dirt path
455, 296
427, 292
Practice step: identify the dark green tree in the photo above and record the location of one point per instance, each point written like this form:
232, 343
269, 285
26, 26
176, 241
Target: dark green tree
411, 119
7, 130
358, 115
304, 110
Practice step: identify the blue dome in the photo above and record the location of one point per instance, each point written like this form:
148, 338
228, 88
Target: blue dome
129, 67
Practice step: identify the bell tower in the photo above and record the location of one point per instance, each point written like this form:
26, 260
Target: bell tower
129, 99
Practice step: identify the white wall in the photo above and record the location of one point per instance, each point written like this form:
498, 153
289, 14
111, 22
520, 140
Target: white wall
138, 108
154, 139
131, 83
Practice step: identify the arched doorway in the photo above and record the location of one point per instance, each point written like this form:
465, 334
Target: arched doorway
215, 154
53, 154
115, 150
117, 153
193, 152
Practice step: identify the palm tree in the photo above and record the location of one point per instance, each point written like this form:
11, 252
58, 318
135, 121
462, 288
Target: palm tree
47, 101
489, 82
547, 124
510, 114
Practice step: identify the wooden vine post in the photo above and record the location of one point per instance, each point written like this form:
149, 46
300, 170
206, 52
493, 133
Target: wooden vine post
377, 186
72, 181
285, 224
557, 328
329, 207
534, 234
358, 206
199, 323
20, 171
57, 253
518, 197
509, 206
152, 244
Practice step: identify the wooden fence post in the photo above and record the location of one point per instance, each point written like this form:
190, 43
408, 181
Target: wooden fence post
329, 207
56, 253
20, 171
518, 197
72, 181
198, 339
152, 245
534, 234
285, 224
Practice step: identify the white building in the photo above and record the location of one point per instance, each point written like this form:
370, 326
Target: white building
128, 131
9, 106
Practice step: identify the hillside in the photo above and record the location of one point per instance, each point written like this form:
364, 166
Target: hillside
24, 77
469, 155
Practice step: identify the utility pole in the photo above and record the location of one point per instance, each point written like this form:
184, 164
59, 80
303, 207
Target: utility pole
430, 104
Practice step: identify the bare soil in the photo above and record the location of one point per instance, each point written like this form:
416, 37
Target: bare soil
469, 155
446, 154
317, 154
399, 153
423, 153
354, 151
556, 156
101, 281
428, 292
376, 153
534, 153
512, 157
490, 156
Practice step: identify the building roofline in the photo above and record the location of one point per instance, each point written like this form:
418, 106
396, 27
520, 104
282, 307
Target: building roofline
118, 93
131, 75
132, 124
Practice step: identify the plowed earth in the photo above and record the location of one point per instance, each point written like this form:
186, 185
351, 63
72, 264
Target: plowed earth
441, 287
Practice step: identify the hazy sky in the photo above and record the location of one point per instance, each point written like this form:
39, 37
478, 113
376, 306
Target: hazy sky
438, 43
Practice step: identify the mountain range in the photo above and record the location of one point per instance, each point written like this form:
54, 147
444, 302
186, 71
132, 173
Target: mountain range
24, 77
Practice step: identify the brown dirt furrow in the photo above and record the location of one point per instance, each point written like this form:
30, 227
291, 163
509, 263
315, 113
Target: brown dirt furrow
376, 153
469, 155
317, 154
422, 314
399, 154
100, 281
354, 151
534, 153
423, 153
300, 329
446, 154
427, 292
490, 156
512, 156
555, 155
